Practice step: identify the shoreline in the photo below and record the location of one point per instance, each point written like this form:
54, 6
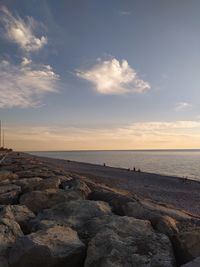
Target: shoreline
175, 191
184, 174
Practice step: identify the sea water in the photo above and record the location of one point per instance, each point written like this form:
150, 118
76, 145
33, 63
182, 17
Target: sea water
182, 163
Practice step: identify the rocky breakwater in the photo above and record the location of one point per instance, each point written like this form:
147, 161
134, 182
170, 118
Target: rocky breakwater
52, 218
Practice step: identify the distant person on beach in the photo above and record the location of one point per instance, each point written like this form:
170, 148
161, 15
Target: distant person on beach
104, 165
134, 169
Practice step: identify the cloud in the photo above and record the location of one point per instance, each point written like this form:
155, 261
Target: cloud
182, 105
24, 85
113, 77
21, 32
138, 135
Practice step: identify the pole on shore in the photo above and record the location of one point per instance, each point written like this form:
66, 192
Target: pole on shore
0, 133
3, 139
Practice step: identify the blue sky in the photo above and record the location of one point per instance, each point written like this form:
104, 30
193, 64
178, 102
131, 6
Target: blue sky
100, 74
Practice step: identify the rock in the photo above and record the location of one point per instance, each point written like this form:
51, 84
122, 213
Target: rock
49, 183
153, 212
7, 175
167, 225
74, 213
9, 194
36, 201
187, 246
76, 185
123, 226
9, 231
110, 249
35, 173
56, 246
194, 263
20, 213
3, 262
115, 200
28, 184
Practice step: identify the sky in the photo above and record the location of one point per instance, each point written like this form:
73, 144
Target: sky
97, 75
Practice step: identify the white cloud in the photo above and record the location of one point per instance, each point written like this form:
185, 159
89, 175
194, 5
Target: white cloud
21, 32
23, 85
182, 105
139, 135
113, 77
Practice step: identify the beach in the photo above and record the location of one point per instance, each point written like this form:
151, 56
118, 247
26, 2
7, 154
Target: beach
178, 192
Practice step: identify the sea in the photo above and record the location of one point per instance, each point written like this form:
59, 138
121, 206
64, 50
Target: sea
181, 163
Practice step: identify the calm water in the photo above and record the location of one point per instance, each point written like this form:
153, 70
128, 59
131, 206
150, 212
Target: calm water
183, 163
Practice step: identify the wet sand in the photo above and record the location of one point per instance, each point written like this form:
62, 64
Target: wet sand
177, 192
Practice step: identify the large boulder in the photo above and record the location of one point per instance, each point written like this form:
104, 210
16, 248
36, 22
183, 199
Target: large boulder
116, 201
36, 201
147, 210
76, 185
20, 213
187, 246
28, 184
9, 231
74, 213
9, 194
53, 247
109, 249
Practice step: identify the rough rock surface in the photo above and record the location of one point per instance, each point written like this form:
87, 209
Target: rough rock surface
76, 185
151, 211
109, 249
28, 184
75, 213
9, 231
187, 246
36, 201
19, 213
56, 246
9, 194
7, 175
194, 263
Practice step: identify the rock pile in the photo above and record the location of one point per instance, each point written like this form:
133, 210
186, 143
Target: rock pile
52, 218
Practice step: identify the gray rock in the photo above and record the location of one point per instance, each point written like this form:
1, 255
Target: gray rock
194, 263
20, 213
3, 262
153, 212
187, 246
110, 249
9, 231
76, 185
116, 201
9, 194
56, 246
49, 183
36, 201
28, 184
122, 225
74, 213
167, 225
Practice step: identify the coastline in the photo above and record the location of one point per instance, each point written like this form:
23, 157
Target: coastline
177, 192
88, 211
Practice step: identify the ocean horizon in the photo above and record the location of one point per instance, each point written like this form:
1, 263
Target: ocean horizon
173, 162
